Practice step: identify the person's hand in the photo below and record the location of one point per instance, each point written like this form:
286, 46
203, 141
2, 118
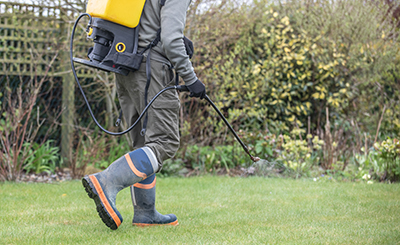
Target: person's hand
197, 89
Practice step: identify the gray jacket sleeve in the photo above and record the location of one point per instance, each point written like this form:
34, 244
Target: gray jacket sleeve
173, 20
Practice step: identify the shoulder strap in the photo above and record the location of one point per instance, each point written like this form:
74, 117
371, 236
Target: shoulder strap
148, 71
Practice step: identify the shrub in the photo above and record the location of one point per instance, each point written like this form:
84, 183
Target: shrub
298, 155
17, 127
386, 160
289, 62
42, 158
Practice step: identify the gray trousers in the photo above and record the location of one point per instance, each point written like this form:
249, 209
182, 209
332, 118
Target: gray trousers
162, 134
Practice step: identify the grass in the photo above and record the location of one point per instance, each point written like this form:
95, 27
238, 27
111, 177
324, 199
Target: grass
211, 210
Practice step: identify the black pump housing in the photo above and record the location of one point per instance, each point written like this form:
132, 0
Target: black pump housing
114, 47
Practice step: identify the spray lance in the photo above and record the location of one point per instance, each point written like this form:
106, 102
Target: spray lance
253, 158
123, 69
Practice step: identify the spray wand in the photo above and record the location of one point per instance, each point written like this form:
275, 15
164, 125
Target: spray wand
253, 158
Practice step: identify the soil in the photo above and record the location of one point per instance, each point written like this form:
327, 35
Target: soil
65, 174
58, 176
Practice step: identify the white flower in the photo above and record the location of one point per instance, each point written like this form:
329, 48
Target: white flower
366, 176
370, 182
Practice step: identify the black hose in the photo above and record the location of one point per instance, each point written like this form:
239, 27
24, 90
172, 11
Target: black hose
83, 93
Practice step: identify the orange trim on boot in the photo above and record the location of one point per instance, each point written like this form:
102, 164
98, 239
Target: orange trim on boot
175, 223
146, 186
104, 200
133, 168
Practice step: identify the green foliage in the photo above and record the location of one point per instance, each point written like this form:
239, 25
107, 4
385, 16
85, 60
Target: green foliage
380, 163
219, 31
292, 156
369, 40
284, 64
172, 167
295, 65
298, 70
298, 155
263, 144
360, 169
210, 159
19, 125
42, 157
291, 76
386, 160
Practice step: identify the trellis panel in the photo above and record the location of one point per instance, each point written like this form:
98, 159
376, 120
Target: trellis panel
31, 35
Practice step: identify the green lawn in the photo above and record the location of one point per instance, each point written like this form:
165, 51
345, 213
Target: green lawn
211, 210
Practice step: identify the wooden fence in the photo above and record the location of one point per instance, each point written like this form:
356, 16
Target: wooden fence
31, 36
23, 30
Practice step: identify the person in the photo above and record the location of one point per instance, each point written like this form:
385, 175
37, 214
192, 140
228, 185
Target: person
158, 137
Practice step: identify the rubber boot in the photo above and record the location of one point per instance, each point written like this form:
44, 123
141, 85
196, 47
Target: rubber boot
143, 199
103, 187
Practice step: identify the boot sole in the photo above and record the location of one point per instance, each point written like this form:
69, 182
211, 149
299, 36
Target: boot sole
175, 223
107, 214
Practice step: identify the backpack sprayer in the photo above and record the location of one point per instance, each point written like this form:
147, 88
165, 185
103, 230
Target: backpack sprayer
113, 27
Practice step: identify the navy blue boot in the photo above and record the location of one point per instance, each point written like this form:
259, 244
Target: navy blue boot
143, 199
103, 187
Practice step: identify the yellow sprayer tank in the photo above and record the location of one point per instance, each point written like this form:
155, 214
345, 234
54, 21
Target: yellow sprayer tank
123, 12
